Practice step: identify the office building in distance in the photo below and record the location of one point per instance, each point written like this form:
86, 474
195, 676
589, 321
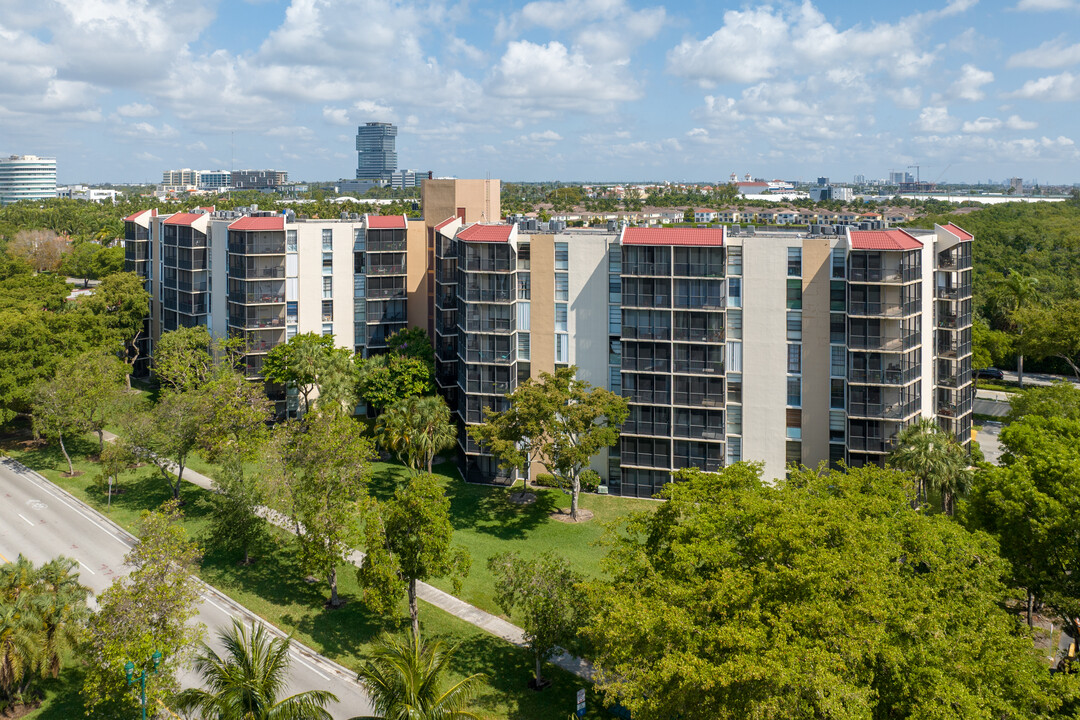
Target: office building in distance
377, 161
808, 345
27, 177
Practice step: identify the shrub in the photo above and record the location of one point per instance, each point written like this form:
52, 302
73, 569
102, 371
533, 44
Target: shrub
590, 480
545, 480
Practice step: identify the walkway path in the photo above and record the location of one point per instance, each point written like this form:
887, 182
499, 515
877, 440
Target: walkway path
445, 601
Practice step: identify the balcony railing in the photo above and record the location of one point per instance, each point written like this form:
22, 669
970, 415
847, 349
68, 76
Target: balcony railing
699, 433
632, 333
694, 399
488, 356
955, 408
947, 293
477, 295
693, 335
647, 397
953, 349
660, 365
689, 270
385, 245
475, 324
660, 429
646, 301
256, 323
882, 309
883, 377
383, 293
256, 298
256, 273
890, 411
385, 269
647, 269
875, 275
883, 343
700, 367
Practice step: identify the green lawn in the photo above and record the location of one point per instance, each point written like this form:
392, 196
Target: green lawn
997, 386
275, 588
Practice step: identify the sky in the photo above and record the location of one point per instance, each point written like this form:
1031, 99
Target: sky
571, 90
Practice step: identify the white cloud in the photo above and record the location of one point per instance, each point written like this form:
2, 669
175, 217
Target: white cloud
336, 116
935, 120
298, 132
137, 110
969, 85
552, 76
1051, 54
1046, 5
1056, 88
198, 146
907, 97
982, 125
1015, 122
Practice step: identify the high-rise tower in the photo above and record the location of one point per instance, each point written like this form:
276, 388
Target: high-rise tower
376, 155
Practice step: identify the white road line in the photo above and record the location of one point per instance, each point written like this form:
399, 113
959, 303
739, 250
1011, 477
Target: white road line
28, 521
60, 496
87, 568
302, 661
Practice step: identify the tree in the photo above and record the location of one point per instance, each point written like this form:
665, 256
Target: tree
320, 472
1020, 291
312, 364
115, 459
1052, 332
98, 377
545, 596
412, 342
409, 539
167, 435
936, 460
55, 415
80, 262
148, 610
43, 249
121, 304
417, 429
246, 683
1057, 400
824, 595
234, 431
182, 358
405, 678
561, 421
1031, 503
61, 606
384, 380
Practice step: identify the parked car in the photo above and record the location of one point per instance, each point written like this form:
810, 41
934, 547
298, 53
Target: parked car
989, 374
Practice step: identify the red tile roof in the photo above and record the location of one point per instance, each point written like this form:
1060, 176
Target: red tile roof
959, 232
276, 222
136, 216
446, 222
386, 222
478, 232
182, 218
703, 210
673, 236
894, 239
207, 208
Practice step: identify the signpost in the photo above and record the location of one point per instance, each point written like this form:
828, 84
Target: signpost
581, 702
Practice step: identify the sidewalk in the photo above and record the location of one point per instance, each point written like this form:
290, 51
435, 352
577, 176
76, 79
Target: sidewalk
444, 601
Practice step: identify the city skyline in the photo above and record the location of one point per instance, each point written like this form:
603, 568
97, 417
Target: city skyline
603, 89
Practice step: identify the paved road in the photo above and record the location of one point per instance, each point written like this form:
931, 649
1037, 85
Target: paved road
1038, 378
40, 521
987, 437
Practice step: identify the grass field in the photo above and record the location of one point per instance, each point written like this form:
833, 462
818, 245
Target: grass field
275, 588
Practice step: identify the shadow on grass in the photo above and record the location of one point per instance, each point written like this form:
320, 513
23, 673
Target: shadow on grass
489, 510
62, 699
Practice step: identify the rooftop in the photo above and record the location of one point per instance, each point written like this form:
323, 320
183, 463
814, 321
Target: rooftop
959, 232
386, 222
894, 239
478, 232
259, 223
673, 236
182, 218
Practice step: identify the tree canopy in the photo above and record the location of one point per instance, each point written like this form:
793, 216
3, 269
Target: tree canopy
822, 596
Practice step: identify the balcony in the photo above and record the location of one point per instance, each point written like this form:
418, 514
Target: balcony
699, 433
876, 275
270, 272
947, 293
706, 271
489, 325
647, 397
258, 248
489, 356
651, 429
485, 265
888, 411
894, 377
646, 301
647, 269
870, 444
447, 300
385, 269
478, 295
699, 367
384, 293
629, 332
256, 323
695, 399
882, 309
659, 365
385, 245
256, 298
954, 408
949, 349
695, 335
883, 343
192, 308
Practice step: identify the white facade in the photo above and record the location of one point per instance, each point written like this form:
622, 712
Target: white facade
27, 177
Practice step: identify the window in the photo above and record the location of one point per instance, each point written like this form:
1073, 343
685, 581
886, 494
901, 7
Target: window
837, 296
328, 329
562, 348
290, 332
327, 263
837, 361
614, 320
794, 262
734, 419
794, 358
836, 394
615, 260
328, 287
328, 310
562, 256
794, 294
838, 264
524, 319
290, 312
837, 328
327, 239
359, 285
290, 241
794, 424
734, 388
734, 450
614, 351
524, 349
794, 326
794, 452
359, 240
734, 260
734, 324
734, 292
794, 391
615, 380
836, 426
562, 286
614, 289
560, 317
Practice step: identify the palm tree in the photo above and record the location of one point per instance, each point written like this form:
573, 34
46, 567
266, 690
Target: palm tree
61, 605
393, 432
416, 429
19, 636
1019, 291
245, 684
934, 458
405, 681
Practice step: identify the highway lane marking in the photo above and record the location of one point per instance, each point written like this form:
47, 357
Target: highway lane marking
311, 667
87, 568
28, 521
93, 521
4, 558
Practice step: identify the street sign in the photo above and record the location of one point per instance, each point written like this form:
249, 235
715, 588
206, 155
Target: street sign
581, 702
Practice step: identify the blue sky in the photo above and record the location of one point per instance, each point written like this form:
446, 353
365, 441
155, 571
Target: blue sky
553, 89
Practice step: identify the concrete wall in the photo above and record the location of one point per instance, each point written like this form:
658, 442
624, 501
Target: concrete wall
816, 269
417, 281
765, 352
587, 312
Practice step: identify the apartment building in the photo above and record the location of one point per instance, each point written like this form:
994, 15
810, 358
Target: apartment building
729, 343
27, 177
266, 277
